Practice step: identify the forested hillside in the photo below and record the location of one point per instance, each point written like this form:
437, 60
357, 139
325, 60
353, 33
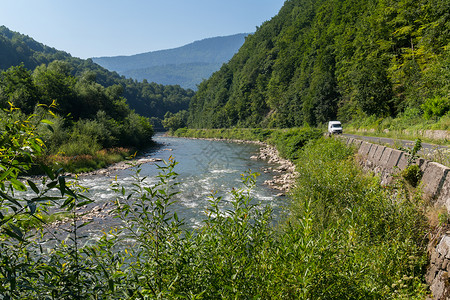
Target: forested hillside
148, 99
324, 59
186, 66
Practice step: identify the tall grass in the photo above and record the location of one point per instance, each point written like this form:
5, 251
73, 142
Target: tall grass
372, 237
93, 159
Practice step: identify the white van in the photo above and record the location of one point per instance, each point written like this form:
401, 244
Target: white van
334, 127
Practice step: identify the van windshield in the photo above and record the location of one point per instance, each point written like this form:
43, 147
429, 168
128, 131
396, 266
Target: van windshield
336, 125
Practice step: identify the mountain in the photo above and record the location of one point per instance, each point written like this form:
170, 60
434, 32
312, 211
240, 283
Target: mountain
187, 65
148, 99
321, 59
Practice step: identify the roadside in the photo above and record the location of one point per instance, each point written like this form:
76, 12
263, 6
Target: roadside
395, 142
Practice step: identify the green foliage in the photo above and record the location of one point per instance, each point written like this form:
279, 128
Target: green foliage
413, 152
175, 121
140, 127
435, 107
17, 88
412, 174
290, 142
364, 223
84, 116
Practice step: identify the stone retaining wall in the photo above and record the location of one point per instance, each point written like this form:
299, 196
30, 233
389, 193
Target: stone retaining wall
386, 161
435, 185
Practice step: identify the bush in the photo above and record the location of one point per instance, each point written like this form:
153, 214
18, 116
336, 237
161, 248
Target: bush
290, 141
412, 174
79, 145
435, 107
137, 131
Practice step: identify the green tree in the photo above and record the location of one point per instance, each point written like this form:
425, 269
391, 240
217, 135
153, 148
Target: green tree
174, 121
55, 83
17, 88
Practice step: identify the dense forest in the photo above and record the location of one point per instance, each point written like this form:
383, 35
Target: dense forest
320, 60
149, 99
186, 66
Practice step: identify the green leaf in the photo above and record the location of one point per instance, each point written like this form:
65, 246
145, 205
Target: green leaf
15, 233
48, 171
33, 186
9, 198
111, 285
18, 185
84, 203
45, 121
62, 184
50, 128
6, 174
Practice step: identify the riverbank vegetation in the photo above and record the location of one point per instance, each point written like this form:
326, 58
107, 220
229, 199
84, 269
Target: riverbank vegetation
86, 125
343, 236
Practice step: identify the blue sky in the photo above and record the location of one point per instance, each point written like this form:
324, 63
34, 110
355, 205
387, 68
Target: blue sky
90, 28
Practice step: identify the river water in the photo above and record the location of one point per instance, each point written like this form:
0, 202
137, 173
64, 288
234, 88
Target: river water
204, 167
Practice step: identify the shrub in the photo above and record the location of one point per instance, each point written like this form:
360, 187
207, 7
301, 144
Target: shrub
80, 145
290, 142
412, 174
435, 107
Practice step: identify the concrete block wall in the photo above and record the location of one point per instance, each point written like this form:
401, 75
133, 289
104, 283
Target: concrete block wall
386, 161
435, 185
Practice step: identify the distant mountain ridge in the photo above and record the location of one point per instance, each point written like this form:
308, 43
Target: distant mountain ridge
186, 66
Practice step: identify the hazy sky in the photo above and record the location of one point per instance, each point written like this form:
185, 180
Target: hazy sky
90, 28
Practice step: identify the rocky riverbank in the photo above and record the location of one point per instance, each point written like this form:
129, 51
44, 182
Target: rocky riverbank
285, 180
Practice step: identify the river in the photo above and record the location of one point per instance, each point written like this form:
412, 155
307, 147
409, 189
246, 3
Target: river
204, 166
